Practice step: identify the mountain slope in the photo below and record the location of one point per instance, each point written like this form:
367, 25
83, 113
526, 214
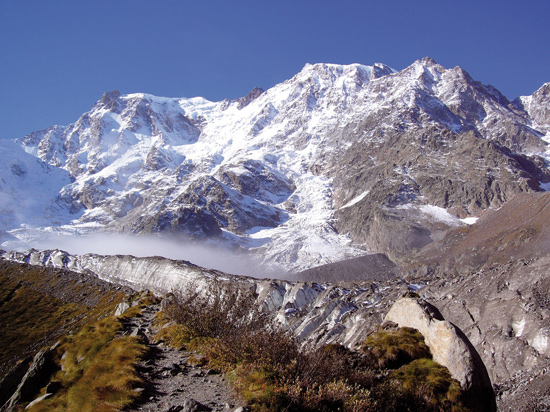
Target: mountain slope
333, 163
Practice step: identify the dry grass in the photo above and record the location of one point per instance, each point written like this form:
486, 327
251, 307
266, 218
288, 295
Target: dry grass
38, 305
98, 370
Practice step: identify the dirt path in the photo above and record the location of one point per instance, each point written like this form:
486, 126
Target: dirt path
173, 384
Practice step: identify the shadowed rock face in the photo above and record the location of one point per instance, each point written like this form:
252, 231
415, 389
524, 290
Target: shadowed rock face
463, 173
370, 267
449, 347
37, 375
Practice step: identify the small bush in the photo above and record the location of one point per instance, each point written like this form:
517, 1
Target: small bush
224, 309
175, 335
335, 362
256, 386
429, 382
395, 348
337, 395
269, 350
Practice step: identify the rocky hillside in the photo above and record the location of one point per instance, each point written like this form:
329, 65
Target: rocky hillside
315, 313
332, 163
491, 279
375, 268
488, 279
38, 305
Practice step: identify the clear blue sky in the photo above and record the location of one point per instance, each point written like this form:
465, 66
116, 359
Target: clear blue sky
58, 57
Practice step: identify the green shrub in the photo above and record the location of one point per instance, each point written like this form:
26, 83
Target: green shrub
394, 348
429, 382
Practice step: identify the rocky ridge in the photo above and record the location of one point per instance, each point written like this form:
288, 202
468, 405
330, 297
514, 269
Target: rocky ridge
316, 312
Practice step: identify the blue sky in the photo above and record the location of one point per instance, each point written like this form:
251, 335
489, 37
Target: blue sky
58, 57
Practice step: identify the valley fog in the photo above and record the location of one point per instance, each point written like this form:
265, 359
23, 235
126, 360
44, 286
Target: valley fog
201, 254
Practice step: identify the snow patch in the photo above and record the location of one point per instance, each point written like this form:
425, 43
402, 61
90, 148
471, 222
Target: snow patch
518, 327
470, 220
540, 341
355, 200
440, 214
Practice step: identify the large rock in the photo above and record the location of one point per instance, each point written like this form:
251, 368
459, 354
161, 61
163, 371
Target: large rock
449, 347
36, 377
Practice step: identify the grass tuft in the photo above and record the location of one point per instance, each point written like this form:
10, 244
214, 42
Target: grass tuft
394, 348
98, 370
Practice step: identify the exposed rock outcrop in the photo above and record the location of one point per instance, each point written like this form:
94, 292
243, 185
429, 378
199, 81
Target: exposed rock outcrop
38, 374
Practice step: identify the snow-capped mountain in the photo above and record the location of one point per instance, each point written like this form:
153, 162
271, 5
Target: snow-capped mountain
336, 161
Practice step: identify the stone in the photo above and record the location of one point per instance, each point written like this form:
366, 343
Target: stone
175, 370
450, 347
39, 399
191, 405
11, 381
40, 370
121, 308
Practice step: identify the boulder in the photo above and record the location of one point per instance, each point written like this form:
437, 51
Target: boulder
121, 308
449, 347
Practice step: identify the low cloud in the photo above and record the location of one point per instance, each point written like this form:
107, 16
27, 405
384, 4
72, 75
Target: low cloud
205, 255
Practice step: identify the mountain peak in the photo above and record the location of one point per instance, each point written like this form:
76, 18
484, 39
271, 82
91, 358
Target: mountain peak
110, 99
428, 61
108, 96
380, 70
